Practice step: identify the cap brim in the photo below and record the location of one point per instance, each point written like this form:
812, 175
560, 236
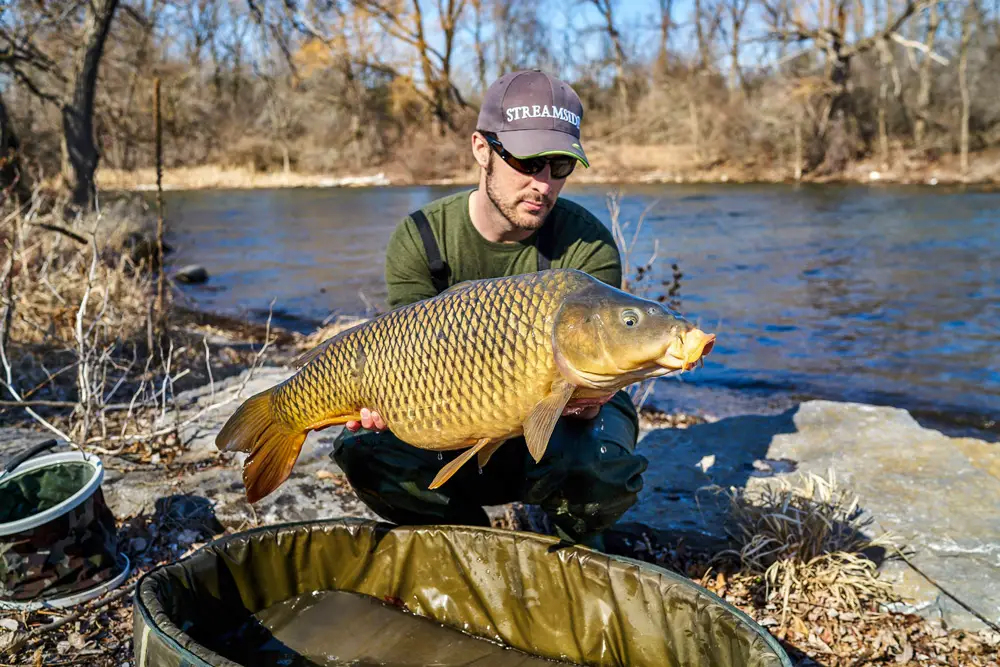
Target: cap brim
535, 143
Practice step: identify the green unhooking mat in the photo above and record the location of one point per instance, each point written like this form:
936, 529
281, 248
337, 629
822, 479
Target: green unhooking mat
359, 592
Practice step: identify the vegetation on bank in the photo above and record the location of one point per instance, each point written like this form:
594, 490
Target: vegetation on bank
727, 90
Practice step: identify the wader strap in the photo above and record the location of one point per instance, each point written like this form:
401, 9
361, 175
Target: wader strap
546, 246
439, 270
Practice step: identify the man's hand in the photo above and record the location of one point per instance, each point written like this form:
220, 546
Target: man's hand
586, 408
369, 419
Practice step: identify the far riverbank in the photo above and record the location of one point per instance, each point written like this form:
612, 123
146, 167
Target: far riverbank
610, 165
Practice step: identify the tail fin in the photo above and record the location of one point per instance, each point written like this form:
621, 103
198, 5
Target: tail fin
273, 448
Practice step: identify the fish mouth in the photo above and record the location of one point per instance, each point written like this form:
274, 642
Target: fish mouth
685, 351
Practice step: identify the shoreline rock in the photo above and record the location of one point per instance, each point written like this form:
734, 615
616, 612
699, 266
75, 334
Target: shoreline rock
938, 494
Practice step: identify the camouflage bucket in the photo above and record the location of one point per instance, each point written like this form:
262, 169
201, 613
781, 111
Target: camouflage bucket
58, 539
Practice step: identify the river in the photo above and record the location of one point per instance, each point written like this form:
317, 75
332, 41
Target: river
882, 294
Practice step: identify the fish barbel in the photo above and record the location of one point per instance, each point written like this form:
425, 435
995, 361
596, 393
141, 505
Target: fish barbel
482, 362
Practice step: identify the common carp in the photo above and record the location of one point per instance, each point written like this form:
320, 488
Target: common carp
481, 362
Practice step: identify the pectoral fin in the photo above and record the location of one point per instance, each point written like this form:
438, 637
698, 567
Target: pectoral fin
486, 452
541, 422
446, 472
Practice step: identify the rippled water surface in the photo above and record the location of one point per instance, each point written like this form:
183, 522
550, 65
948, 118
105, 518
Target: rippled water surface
881, 294
343, 629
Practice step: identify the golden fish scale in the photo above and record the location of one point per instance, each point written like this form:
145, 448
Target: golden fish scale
443, 373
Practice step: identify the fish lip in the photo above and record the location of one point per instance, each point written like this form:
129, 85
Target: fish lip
684, 352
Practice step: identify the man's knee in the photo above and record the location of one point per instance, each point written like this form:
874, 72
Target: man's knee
593, 462
391, 478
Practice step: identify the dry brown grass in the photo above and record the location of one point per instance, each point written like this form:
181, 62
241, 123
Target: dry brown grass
807, 539
83, 353
222, 177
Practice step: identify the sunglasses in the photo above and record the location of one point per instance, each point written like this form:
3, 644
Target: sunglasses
561, 166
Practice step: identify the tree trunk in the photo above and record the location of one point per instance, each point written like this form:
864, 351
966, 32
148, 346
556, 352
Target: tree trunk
703, 56
737, 14
840, 143
14, 180
479, 45
924, 92
883, 101
963, 84
798, 146
80, 155
666, 23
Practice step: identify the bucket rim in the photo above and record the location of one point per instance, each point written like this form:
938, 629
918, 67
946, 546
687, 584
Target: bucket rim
75, 598
149, 578
71, 503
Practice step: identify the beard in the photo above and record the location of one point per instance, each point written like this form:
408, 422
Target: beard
508, 208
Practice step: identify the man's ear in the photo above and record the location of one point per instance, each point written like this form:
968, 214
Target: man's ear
480, 149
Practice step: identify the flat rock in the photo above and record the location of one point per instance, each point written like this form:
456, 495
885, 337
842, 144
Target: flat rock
316, 488
192, 274
939, 495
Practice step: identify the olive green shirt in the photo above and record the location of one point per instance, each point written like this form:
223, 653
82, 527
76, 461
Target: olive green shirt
580, 241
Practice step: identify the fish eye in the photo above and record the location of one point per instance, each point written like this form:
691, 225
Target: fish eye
630, 318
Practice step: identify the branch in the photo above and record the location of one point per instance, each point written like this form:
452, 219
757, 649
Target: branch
62, 230
909, 43
407, 37
38, 92
869, 42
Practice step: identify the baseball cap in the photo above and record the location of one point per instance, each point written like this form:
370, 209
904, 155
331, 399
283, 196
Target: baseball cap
533, 114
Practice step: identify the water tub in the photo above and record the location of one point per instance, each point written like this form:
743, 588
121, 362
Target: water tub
58, 539
566, 604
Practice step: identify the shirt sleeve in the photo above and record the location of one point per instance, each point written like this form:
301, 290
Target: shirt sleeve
407, 275
600, 260
597, 253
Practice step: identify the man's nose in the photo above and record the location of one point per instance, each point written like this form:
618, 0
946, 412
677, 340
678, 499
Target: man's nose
542, 181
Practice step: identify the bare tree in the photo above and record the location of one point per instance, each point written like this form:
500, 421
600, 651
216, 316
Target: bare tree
838, 125
606, 8
736, 11
407, 26
478, 43
72, 85
924, 92
666, 27
707, 19
968, 16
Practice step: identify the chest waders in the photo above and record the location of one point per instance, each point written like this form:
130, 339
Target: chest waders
590, 474
439, 268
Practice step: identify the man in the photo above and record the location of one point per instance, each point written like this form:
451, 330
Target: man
527, 144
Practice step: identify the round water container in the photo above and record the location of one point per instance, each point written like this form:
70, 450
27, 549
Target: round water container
358, 592
58, 539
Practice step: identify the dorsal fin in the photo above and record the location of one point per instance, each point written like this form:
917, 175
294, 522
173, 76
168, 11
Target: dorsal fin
317, 351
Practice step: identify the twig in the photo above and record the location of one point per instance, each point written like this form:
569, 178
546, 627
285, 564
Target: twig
159, 198
62, 230
37, 404
8, 315
128, 439
208, 367
993, 626
909, 43
86, 609
83, 351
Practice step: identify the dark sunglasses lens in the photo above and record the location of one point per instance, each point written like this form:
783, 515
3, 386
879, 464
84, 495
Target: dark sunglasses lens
561, 167
531, 165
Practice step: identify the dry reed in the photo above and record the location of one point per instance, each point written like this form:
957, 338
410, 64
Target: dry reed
807, 539
81, 351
